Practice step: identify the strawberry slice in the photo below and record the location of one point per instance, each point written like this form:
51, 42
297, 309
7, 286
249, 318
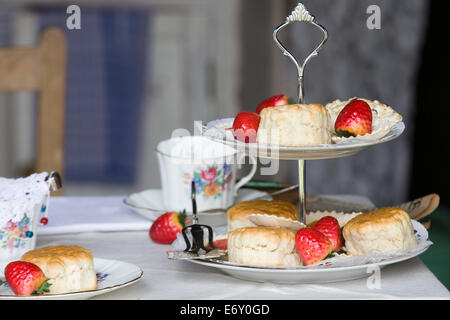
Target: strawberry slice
329, 226
245, 126
278, 100
26, 278
166, 228
354, 119
312, 245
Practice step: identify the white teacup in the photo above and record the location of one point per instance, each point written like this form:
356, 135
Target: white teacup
212, 165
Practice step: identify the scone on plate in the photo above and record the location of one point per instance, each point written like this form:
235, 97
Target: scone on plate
383, 229
237, 214
67, 268
263, 246
295, 125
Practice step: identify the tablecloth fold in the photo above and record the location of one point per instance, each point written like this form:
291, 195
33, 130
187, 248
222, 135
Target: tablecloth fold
91, 214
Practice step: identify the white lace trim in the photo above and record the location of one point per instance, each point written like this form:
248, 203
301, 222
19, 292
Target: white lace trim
20, 196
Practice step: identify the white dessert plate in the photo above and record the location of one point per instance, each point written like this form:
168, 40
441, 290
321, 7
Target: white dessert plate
111, 275
293, 276
215, 131
149, 204
321, 273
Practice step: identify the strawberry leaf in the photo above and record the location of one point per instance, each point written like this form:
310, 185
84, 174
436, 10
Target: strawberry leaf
345, 133
330, 255
182, 218
45, 287
291, 100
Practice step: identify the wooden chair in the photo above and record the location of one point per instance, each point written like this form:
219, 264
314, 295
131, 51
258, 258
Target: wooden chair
42, 69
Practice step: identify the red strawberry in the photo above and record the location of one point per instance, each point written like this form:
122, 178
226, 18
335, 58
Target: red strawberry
26, 278
278, 100
165, 229
219, 242
312, 245
354, 119
329, 226
245, 126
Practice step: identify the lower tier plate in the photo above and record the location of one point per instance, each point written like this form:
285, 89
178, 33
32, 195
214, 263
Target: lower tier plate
328, 270
294, 276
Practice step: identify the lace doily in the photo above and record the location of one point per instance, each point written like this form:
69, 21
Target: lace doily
341, 217
20, 196
384, 119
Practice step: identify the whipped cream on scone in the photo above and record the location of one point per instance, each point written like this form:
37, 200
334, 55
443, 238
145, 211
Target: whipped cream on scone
295, 125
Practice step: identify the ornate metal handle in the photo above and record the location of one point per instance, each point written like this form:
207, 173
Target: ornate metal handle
300, 14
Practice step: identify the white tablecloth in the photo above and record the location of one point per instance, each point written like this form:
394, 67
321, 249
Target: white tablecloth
169, 279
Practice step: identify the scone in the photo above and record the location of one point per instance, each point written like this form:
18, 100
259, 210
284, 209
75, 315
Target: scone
383, 229
68, 268
295, 125
237, 214
263, 246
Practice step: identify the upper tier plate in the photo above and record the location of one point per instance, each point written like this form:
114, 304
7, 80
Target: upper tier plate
214, 130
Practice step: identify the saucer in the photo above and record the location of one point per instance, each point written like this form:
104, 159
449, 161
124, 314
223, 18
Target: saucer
150, 204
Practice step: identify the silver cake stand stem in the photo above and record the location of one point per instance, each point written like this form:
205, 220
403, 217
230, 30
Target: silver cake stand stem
300, 14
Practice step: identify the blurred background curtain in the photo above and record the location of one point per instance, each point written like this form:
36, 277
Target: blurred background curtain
431, 157
17, 117
105, 85
136, 72
356, 61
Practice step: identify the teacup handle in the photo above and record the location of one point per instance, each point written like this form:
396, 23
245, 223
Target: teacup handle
248, 177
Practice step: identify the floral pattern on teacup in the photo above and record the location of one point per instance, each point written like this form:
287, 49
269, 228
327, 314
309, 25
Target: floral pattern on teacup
14, 235
210, 182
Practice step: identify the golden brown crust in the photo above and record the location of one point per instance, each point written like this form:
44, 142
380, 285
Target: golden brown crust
311, 108
57, 256
383, 230
278, 208
378, 218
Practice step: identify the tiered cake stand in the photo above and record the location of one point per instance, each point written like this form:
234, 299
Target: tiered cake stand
327, 151
324, 272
